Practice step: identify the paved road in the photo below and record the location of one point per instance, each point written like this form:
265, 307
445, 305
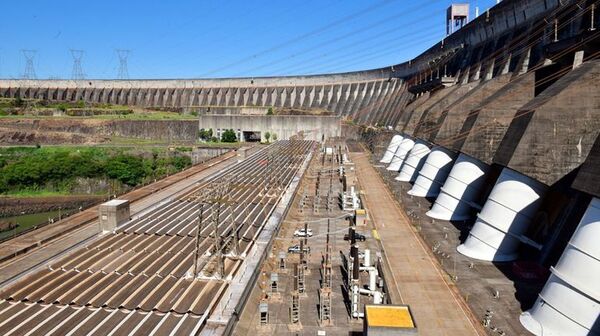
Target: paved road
418, 279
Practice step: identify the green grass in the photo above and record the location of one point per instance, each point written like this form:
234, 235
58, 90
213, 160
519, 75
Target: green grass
131, 116
219, 144
116, 140
148, 116
37, 193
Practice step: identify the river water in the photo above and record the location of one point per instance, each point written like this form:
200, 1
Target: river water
29, 220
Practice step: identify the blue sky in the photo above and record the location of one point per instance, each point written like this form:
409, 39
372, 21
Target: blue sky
192, 39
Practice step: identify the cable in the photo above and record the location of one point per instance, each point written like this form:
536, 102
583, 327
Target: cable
351, 34
302, 37
417, 40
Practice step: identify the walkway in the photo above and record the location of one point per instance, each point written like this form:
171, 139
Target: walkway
418, 279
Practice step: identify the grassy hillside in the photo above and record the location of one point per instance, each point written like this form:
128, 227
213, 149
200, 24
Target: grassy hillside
63, 170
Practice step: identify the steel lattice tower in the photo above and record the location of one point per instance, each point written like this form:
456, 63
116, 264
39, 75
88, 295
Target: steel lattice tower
77, 72
29, 67
123, 71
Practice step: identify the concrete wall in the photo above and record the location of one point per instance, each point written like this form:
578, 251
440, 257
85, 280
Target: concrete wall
81, 130
312, 127
365, 98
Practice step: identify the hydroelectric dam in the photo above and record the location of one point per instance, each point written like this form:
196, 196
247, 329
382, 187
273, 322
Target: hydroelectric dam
474, 168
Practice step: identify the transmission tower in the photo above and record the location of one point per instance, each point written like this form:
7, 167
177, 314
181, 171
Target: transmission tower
29, 56
77, 72
123, 71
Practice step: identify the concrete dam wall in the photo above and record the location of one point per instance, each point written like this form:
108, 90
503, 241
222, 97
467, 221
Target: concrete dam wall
367, 98
498, 125
503, 133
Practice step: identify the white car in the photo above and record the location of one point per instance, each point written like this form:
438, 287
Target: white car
296, 249
302, 233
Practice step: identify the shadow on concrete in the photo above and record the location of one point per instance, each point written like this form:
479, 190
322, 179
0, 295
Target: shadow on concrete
526, 289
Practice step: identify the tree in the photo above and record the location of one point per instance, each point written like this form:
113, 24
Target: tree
267, 136
274, 136
126, 168
205, 135
228, 136
181, 162
270, 111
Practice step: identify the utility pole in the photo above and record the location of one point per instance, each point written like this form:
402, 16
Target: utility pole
77, 72
235, 250
217, 243
29, 56
123, 69
198, 240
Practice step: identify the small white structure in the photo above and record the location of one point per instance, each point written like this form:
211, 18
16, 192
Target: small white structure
350, 200
434, 172
504, 218
569, 304
414, 162
113, 213
392, 148
460, 189
405, 146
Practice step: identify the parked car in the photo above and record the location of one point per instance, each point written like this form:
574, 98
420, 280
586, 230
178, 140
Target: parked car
302, 233
357, 236
296, 249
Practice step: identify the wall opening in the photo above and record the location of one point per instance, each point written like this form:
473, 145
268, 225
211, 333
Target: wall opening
251, 136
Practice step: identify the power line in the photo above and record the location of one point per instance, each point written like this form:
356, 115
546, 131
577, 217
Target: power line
77, 72
342, 60
354, 32
123, 70
29, 56
302, 37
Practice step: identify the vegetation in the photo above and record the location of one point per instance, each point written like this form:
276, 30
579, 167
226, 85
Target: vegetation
270, 111
274, 136
18, 102
267, 136
55, 169
205, 134
229, 136
39, 108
